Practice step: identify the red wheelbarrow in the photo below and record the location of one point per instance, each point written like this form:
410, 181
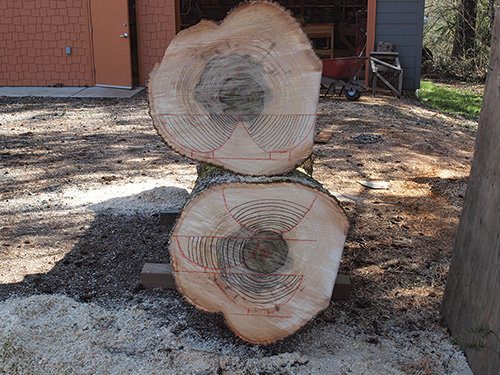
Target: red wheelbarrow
342, 71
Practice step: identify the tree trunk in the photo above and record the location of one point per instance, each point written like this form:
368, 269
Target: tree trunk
492, 14
264, 251
471, 305
242, 95
465, 33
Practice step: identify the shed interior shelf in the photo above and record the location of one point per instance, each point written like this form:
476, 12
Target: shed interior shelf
337, 28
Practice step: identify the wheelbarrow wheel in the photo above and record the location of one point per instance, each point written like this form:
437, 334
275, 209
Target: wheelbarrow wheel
352, 94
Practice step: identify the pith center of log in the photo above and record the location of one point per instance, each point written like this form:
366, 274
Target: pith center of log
233, 85
265, 252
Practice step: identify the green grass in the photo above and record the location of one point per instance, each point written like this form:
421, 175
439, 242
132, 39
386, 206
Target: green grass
451, 100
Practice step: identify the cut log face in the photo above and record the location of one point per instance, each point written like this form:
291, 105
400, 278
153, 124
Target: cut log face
243, 94
265, 255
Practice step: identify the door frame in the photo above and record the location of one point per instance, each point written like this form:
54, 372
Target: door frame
90, 43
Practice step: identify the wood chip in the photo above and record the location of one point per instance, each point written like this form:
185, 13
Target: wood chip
375, 184
324, 136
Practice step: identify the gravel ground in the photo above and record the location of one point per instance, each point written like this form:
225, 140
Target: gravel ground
83, 180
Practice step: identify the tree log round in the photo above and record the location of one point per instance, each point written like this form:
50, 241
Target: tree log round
242, 95
264, 251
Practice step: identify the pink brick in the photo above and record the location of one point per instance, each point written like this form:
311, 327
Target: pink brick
58, 20
27, 4
74, 12
30, 29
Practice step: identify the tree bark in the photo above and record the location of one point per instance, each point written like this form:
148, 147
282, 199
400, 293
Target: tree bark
465, 33
471, 305
242, 95
264, 251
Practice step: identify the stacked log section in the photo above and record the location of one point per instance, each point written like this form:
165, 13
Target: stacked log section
242, 95
264, 251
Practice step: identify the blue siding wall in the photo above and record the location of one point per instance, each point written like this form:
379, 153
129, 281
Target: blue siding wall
401, 22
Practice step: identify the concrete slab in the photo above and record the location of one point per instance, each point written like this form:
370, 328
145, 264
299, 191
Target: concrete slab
55, 92
106, 92
66, 92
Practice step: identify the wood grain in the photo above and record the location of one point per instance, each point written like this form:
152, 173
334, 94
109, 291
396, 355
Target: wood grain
243, 94
266, 255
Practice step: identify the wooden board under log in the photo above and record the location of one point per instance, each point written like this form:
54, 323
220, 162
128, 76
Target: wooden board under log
264, 251
242, 95
161, 275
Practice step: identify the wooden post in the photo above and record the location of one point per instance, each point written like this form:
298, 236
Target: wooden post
370, 35
471, 305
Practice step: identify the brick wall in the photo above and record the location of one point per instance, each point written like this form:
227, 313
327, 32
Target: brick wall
35, 33
33, 37
155, 28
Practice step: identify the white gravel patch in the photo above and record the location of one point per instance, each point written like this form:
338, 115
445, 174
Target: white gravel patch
123, 198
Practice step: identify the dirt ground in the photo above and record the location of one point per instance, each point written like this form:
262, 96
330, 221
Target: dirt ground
83, 180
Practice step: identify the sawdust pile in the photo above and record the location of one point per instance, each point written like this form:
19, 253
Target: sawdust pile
57, 335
